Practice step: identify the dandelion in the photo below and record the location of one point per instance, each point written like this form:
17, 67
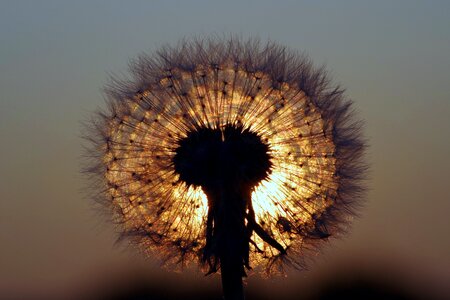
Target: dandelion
229, 152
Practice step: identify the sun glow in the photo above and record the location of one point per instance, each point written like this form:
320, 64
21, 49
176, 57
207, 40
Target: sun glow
143, 132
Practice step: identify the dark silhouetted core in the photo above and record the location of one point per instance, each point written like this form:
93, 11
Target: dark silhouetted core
231, 155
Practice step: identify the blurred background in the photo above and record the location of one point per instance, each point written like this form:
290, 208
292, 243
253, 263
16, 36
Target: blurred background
393, 58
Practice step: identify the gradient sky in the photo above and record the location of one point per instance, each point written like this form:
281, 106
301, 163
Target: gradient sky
393, 58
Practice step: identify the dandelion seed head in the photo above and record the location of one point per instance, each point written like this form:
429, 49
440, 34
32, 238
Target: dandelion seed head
291, 133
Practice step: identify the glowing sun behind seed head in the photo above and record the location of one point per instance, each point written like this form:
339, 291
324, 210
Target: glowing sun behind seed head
314, 147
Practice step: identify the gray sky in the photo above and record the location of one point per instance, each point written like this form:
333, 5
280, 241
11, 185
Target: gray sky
393, 58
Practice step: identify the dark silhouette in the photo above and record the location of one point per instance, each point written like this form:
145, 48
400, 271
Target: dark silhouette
256, 131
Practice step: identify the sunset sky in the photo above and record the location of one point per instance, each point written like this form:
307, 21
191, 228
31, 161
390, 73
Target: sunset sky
55, 57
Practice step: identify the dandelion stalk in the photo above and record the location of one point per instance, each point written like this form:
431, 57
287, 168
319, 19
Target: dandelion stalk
229, 152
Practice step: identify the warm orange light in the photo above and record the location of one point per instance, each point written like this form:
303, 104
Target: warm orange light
143, 184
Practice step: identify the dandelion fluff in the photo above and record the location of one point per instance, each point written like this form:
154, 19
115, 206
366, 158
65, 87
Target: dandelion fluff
157, 152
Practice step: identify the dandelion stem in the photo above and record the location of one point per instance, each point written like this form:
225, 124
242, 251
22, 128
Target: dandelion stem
229, 242
231, 278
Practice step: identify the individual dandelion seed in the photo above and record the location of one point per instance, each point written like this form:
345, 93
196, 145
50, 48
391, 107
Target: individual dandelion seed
227, 151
